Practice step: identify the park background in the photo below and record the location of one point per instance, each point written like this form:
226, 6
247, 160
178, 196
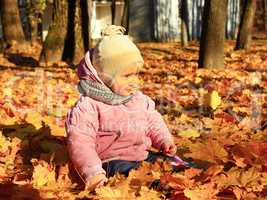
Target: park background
205, 67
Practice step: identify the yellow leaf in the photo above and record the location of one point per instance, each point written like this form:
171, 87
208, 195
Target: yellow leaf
183, 118
202, 192
215, 152
107, 192
4, 144
146, 193
198, 80
71, 102
214, 99
55, 129
57, 113
48, 120
189, 133
264, 178
34, 118
255, 78
9, 121
43, 175
7, 92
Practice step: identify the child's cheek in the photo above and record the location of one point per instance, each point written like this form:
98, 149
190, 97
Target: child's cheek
123, 83
136, 81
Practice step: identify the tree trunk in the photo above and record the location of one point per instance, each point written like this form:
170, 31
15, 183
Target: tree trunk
2, 45
68, 36
34, 29
265, 14
54, 43
211, 54
81, 43
90, 6
246, 25
125, 16
184, 23
33, 20
166, 15
113, 11
77, 40
85, 8
12, 28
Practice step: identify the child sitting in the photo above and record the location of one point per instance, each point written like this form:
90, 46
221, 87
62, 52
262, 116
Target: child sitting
113, 125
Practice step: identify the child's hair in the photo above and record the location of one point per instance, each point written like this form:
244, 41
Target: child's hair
115, 51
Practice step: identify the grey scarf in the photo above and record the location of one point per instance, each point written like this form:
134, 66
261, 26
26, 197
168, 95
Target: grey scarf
101, 92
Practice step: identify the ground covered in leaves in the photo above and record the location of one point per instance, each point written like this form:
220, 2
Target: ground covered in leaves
218, 118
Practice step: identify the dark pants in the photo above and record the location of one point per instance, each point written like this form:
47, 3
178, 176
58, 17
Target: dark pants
124, 166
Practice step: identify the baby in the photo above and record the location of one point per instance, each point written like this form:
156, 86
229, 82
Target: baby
113, 125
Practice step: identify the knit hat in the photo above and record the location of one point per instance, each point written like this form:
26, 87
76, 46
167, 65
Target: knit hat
115, 52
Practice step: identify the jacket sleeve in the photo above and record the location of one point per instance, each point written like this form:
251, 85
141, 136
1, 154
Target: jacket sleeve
81, 126
157, 128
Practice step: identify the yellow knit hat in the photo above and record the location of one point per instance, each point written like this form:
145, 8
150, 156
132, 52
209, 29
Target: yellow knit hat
115, 52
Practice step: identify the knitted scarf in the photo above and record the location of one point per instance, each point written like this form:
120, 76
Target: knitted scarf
91, 85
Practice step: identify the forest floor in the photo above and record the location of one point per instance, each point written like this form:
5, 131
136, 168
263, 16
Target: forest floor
218, 118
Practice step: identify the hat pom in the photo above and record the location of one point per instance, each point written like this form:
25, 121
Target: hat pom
113, 30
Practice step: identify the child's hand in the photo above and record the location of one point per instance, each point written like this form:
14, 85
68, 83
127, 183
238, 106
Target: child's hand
96, 181
169, 148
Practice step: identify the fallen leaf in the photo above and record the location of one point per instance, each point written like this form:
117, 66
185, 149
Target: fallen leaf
34, 118
189, 133
213, 99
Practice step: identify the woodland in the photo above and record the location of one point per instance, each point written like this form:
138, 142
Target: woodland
211, 91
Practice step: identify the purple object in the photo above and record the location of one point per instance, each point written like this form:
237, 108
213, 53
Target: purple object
177, 161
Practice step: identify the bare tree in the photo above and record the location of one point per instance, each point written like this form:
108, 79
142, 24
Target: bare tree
55, 40
12, 28
35, 9
211, 54
166, 14
184, 22
246, 24
265, 14
81, 42
113, 11
125, 16
68, 36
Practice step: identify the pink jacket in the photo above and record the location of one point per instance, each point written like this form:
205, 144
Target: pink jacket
98, 132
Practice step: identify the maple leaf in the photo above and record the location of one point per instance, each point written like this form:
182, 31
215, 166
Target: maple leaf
241, 193
210, 150
148, 172
202, 192
253, 153
177, 181
264, 179
240, 177
4, 144
8, 151
189, 133
8, 120
213, 99
107, 192
224, 117
43, 174
63, 179
56, 130
192, 172
146, 193
177, 194
34, 118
